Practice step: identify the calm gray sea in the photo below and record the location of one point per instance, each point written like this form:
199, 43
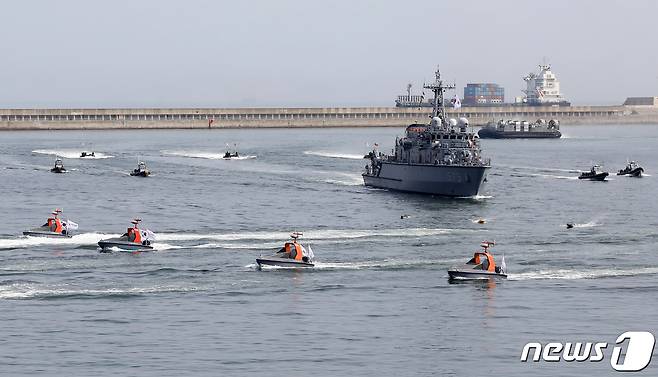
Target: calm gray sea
379, 302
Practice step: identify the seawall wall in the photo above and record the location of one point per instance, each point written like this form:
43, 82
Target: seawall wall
184, 118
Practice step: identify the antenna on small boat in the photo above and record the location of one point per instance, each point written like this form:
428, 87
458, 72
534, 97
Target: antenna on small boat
487, 244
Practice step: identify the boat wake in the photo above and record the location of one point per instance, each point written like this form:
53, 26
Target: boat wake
348, 156
554, 176
72, 154
384, 264
387, 264
590, 224
346, 179
76, 240
310, 235
32, 290
567, 274
481, 197
544, 169
243, 240
205, 155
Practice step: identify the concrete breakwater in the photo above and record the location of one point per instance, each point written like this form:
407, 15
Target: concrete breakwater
163, 118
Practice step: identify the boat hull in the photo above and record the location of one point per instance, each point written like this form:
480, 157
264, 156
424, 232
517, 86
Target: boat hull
123, 245
595, 177
459, 274
486, 133
637, 172
282, 262
442, 180
58, 171
140, 174
37, 233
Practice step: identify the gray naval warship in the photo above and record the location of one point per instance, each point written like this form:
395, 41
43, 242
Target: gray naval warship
440, 158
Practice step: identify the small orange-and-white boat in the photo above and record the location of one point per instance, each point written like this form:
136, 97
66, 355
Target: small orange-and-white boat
292, 254
54, 227
135, 239
481, 266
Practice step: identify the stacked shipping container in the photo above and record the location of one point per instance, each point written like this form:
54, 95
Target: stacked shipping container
483, 94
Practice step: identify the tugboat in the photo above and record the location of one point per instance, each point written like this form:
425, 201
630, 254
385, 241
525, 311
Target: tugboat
87, 154
481, 266
134, 239
59, 167
595, 174
141, 170
541, 129
54, 227
632, 170
292, 254
440, 158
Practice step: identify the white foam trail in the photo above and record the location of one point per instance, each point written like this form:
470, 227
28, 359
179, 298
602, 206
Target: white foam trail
257, 246
480, 197
581, 274
275, 238
554, 176
383, 264
157, 246
328, 234
541, 168
587, 225
348, 156
350, 180
29, 241
205, 155
21, 291
72, 154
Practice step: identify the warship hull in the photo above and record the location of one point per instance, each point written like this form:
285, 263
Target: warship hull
442, 180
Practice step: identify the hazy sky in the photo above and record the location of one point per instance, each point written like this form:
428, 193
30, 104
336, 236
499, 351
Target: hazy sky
132, 53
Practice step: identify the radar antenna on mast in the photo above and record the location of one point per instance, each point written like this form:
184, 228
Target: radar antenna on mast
438, 87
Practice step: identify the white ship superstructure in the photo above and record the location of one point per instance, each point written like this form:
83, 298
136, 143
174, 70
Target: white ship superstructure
543, 88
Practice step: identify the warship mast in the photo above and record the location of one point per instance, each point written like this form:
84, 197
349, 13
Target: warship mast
439, 88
